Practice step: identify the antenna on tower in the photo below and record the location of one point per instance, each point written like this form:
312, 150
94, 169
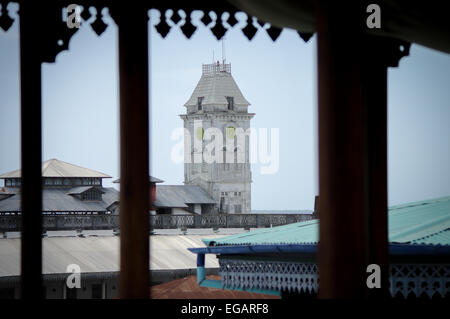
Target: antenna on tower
223, 50
213, 57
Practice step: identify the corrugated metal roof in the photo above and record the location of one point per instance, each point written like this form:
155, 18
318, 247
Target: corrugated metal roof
181, 195
425, 222
303, 232
214, 87
412, 221
57, 200
101, 254
57, 168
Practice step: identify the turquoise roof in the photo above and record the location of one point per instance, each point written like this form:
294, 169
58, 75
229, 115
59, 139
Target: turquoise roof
425, 222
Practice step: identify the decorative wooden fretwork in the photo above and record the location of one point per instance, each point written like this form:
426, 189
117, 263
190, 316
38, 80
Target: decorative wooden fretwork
405, 280
55, 34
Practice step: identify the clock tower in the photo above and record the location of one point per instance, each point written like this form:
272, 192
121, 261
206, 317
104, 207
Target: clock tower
217, 137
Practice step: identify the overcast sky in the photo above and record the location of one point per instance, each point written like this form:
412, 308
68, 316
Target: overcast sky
80, 106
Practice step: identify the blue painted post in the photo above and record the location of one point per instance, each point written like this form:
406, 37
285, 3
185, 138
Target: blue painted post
201, 273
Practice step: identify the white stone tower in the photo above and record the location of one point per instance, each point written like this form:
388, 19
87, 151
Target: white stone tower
217, 124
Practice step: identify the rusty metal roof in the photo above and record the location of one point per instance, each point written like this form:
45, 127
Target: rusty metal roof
187, 288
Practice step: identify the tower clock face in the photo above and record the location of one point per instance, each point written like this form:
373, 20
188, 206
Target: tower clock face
230, 132
199, 133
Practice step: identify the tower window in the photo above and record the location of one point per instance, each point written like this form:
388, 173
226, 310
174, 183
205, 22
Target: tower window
199, 102
230, 101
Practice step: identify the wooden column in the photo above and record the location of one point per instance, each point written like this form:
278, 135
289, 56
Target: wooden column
375, 101
134, 151
352, 154
31, 158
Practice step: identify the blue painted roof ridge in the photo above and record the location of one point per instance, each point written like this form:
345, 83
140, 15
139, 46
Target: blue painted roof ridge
394, 249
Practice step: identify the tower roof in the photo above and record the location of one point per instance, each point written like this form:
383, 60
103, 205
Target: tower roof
215, 85
57, 168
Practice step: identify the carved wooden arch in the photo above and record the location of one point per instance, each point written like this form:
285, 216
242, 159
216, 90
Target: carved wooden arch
55, 34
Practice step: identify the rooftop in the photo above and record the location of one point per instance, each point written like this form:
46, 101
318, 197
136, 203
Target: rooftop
187, 288
59, 200
215, 84
425, 222
181, 195
100, 252
56, 168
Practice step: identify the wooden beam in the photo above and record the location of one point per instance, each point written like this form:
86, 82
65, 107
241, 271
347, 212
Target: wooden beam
134, 150
31, 158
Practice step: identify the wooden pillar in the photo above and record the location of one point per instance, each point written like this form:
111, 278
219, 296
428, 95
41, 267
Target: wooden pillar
31, 158
134, 150
352, 154
375, 101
